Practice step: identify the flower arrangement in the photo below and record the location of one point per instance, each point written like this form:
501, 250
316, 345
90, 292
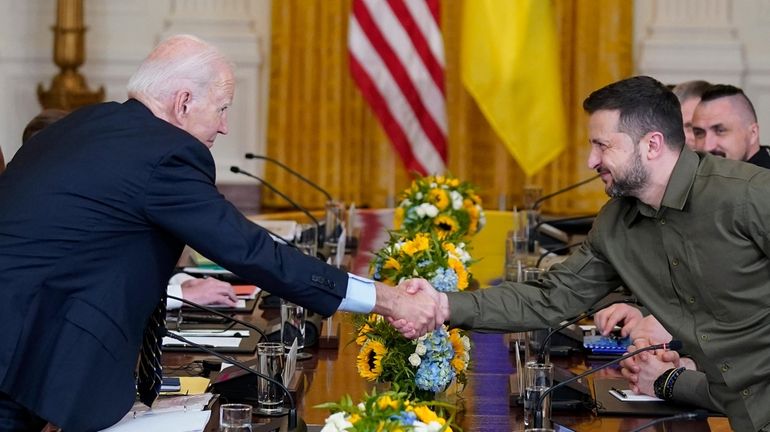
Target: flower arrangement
440, 204
388, 411
420, 368
444, 264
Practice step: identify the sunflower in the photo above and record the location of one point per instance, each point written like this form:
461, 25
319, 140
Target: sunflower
418, 244
439, 198
363, 334
462, 273
369, 360
458, 362
445, 225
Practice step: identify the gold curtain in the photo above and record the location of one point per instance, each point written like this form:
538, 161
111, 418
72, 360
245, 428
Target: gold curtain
320, 125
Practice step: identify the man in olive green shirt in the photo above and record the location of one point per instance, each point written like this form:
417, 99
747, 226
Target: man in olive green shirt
687, 233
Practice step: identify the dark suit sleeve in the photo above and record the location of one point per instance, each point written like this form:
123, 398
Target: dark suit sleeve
182, 199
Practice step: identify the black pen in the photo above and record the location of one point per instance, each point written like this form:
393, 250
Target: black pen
620, 392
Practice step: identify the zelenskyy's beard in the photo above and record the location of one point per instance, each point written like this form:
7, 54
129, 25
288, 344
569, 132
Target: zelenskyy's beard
630, 182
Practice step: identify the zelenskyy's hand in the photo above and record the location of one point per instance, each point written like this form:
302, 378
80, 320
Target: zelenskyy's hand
415, 286
607, 318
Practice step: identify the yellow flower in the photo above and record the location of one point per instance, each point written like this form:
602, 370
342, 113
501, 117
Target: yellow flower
354, 418
439, 198
362, 334
449, 247
445, 225
369, 360
398, 217
453, 182
439, 179
391, 263
418, 244
462, 273
386, 401
425, 414
458, 362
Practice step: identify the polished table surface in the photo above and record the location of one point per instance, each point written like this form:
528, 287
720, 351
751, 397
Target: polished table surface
483, 405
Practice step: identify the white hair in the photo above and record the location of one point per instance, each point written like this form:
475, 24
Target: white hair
177, 62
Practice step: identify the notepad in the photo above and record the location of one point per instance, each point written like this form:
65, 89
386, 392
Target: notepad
246, 291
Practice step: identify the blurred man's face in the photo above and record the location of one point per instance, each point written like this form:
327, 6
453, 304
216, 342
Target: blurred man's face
723, 127
688, 109
615, 156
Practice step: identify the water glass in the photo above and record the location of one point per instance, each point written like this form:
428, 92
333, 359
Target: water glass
306, 239
334, 217
271, 362
539, 378
293, 319
235, 418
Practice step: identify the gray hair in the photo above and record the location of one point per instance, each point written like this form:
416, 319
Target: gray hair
690, 89
177, 62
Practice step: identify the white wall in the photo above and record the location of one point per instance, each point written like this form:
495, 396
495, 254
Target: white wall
120, 33
722, 41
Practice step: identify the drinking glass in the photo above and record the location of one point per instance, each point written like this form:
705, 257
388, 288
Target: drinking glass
271, 362
539, 378
235, 418
334, 218
293, 319
306, 239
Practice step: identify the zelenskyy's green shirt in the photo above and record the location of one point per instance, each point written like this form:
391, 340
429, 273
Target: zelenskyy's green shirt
700, 264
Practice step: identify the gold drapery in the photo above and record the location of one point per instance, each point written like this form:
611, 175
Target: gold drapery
320, 125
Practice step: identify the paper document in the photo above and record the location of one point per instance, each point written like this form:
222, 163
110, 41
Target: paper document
169, 414
210, 341
630, 396
211, 333
240, 304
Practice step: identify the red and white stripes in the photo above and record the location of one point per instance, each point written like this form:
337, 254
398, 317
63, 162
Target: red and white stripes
396, 57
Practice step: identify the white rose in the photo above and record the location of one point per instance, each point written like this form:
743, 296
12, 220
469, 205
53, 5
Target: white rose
361, 407
457, 200
336, 423
420, 349
466, 342
430, 210
418, 195
415, 360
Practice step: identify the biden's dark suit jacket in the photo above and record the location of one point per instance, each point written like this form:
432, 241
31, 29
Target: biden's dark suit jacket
94, 212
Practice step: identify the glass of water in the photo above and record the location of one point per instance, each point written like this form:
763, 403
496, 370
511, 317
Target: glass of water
539, 378
235, 418
271, 362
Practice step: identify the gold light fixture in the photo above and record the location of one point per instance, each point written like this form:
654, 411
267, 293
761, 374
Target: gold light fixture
68, 88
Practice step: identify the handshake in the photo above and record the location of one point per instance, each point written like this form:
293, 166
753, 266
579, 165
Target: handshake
414, 307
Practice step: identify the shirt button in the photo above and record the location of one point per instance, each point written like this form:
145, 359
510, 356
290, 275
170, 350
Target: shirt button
662, 221
746, 392
704, 337
725, 367
691, 300
675, 262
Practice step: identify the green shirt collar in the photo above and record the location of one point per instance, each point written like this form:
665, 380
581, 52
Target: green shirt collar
677, 191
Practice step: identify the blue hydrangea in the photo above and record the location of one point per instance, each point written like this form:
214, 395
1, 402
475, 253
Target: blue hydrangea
406, 418
423, 263
434, 376
445, 280
437, 345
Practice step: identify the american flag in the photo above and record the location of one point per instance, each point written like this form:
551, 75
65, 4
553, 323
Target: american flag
396, 57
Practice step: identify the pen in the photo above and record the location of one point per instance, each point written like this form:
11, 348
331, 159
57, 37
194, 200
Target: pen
620, 392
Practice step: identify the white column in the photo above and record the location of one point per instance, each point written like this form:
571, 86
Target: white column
681, 40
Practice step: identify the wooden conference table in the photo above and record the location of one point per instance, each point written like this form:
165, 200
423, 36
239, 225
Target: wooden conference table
483, 405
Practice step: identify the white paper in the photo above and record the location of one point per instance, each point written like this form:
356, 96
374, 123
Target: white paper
211, 333
210, 341
240, 304
176, 421
633, 397
291, 363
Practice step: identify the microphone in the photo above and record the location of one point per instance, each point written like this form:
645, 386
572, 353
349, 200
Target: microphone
695, 415
162, 331
218, 313
294, 204
589, 312
293, 172
674, 345
536, 204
